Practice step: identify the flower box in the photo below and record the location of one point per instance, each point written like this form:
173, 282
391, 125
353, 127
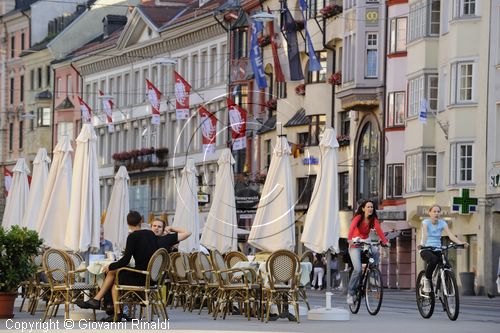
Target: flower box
300, 89
330, 10
343, 140
335, 79
272, 104
264, 40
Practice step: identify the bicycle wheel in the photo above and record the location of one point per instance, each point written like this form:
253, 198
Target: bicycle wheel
374, 291
354, 308
425, 301
450, 295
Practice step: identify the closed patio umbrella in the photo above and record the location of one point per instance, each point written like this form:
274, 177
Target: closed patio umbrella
84, 217
186, 211
38, 184
17, 199
322, 226
274, 224
219, 231
53, 214
115, 223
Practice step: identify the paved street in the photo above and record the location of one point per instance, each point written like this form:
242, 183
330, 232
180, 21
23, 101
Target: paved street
398, 314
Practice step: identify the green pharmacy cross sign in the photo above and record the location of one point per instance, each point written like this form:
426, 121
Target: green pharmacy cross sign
464, 204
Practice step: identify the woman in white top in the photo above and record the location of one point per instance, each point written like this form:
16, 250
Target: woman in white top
432, 229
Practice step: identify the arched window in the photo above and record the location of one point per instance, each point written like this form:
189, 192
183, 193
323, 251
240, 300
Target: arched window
368, 164
270, 81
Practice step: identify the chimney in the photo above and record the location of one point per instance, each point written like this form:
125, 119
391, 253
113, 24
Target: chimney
112, 23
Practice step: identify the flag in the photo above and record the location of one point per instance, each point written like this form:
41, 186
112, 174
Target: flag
237, 121
279, 57
314, 64
182, 90
290, 28
256, 56
422, 112
108, 104
208, 125
154, 98
7, 180
86, 110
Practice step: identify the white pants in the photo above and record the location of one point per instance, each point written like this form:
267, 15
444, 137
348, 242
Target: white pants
318, 275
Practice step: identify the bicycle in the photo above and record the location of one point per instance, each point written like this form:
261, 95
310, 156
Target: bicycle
370, 283
445, 284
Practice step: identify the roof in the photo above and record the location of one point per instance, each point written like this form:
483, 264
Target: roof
193, 10
161, 15
66, 104
298, 119
268, 126
98, 43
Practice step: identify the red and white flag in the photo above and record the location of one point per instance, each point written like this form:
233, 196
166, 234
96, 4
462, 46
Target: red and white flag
182, 90
208, 125
279, 56
238, 123
7, 179
86, 110
108, 104
154, 98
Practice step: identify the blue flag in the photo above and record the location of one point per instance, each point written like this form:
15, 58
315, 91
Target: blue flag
290, 28
314, 64
256, 57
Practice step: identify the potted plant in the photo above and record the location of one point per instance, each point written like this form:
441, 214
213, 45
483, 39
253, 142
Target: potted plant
335, 79
300, 89
264, 40
272, 104
18, 246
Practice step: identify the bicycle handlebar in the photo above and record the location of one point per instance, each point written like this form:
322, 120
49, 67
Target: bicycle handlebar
443, 247
359, 241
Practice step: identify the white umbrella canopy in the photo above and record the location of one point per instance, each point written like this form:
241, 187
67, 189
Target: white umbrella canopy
38, 184
322, 226
219, 231
186, 212
274, 224
17, 199
115, 223
53, 214
84, 217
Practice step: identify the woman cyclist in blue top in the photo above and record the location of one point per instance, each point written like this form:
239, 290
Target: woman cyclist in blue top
431, 236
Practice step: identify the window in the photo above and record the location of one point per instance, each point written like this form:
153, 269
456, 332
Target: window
22, 41
269, 149
424, 19
43, 117
21, 88
69, 85
21, 127
11, 90
318, 76
345, 123
281, 89
12, 46
32, 79
305, 187
371, 55
344, 190
39, 77
11, 136
394, 186
126, 92
316, 127
420, 172
203, 69
137, 88
64, 128
313, 8
465, 8
368, 163
195, 79
398, 35
212, 67
240, 43
430, 171
224, 66
461, 163
303, 138
396, 108
118, 90
420, 88
47, 78
462, 79
32, 120
59, 87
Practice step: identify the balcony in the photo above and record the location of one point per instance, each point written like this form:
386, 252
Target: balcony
145, 159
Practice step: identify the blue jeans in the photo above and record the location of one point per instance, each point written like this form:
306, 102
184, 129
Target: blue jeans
355, 254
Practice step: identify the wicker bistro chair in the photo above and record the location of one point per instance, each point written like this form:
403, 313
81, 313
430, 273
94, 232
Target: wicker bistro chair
39, 288
149, 295
234, 257
179, 292
283, 275
198, 290
61, 276
243, 290
307, 256
211, 283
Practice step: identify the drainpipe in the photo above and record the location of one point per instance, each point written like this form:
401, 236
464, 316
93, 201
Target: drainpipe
52, 123
29, 26
331, 48
384, 90
3, 95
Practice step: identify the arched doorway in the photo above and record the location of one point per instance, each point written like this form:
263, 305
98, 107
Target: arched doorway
368, 173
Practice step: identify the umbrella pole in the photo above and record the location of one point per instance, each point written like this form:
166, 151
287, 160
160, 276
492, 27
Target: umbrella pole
328, 272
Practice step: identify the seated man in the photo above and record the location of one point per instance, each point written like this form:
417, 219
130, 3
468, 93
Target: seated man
141, 244
167, 235
104, 245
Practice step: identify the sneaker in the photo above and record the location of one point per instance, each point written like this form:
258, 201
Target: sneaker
427, 285
350, 300
90, 304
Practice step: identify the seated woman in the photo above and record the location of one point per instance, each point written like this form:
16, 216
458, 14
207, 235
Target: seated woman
141, 245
